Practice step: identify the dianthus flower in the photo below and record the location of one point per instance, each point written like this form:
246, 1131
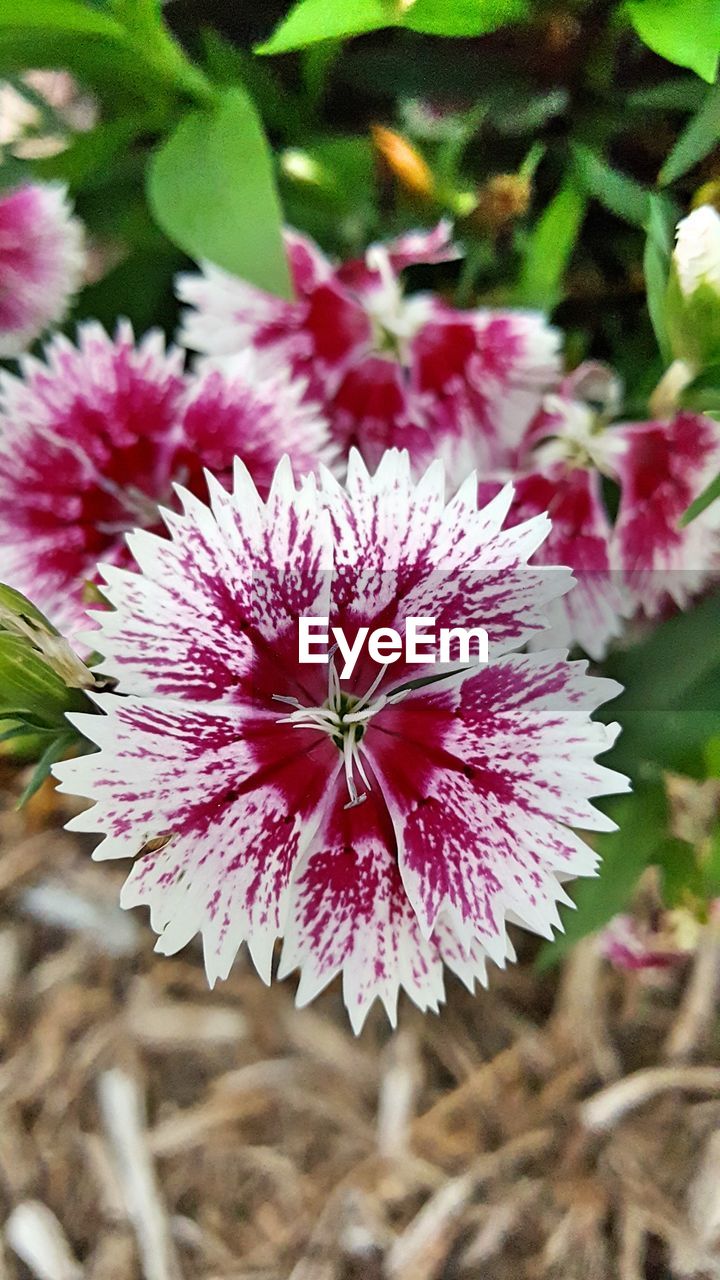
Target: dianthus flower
387, 825
41, 263
388, 369
92, 440
641, 561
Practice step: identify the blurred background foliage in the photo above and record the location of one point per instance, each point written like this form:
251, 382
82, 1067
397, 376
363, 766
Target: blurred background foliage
564, 139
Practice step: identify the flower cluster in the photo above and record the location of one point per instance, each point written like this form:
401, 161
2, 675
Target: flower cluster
482, 390
366, 455
641, 562
391, 371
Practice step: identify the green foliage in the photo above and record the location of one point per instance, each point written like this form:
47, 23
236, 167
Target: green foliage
668, 709
211, 189
641, 840
662, 217
60, 15
313, 20
693, 323
703, 393
697, 139
13, 604
708, 495
550, 247
620, 194
683, 31
30, 690
41, 680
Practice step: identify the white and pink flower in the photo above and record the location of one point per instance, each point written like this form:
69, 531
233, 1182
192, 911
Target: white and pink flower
385, 828
42, 261
642, 561
387, 368
92, 440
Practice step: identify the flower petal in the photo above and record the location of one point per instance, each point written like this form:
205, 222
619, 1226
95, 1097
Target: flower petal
213, 614
216, 809
482, 783
350, 915
592, 612
663, 467
42, 261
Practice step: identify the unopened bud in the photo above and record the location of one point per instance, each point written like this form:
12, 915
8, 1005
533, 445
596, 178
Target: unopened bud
697, 251
19, 617
404, 161
692, 300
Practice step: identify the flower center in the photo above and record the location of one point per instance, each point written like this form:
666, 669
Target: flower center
580, 438
395, 319
344, 718
141, 510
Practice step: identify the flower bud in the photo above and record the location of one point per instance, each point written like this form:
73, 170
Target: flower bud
404, 161
20, 619
697, 251
693, 292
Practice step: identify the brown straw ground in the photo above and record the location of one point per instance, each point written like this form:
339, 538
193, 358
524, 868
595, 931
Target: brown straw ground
557, 1126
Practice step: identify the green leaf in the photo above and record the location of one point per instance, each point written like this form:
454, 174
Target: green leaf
463, 17
662, 217
622, 195
625, 853
670, 706
227, 64
693, 324
59, 15
89, 153
137, 54
712, 757
686, 32
549, 248
211, 189
143, 21
682, 93
701, 503
52, 753
710, 864
661, 671
696, 140
313, 20
654, 739
106, 65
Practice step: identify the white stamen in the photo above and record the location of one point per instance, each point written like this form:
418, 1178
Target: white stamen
369, 693
344, 727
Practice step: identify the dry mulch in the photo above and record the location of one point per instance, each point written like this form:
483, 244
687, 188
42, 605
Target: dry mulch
558, 1126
